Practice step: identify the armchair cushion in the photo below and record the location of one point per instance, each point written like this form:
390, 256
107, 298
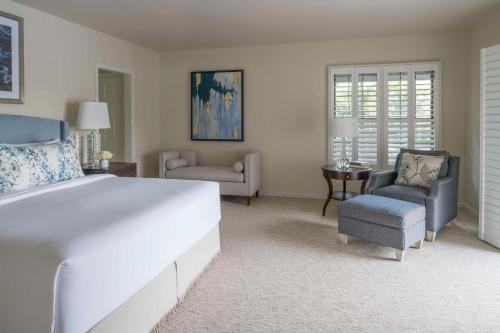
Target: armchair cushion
413, 194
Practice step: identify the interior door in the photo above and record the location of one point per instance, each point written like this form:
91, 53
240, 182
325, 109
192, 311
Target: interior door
489, 196
111, 92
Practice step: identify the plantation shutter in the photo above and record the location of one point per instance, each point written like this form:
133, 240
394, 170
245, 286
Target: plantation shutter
341, 105
426, 104
397, 110
489, 210
366, 111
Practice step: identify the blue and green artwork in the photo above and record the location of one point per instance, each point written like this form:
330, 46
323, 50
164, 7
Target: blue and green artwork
5, 58
217, 105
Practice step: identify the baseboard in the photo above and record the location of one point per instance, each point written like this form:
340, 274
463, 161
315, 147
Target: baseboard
293, 195
468, 208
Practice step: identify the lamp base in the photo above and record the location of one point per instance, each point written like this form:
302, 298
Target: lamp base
343, 163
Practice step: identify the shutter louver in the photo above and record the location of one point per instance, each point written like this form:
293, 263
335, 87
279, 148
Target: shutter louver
397, 103
425, 138
490, 147
367, 140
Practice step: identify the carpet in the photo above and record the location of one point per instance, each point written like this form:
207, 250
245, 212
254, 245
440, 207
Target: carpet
282, 269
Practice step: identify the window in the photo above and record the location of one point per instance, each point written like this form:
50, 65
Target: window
397, 106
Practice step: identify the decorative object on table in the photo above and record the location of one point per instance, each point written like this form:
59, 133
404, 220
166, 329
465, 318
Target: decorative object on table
333, 172
93, 116
120, 169
359, 165
103, 157
440, 201
217, 105
11, 59
343, 128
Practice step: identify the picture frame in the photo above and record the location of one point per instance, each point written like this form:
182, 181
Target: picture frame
11, 58
217, 108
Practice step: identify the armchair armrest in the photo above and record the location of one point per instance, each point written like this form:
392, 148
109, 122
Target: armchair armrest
381, 179
442, 201
189, 155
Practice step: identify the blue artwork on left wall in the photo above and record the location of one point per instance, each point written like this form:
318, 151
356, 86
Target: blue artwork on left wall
217, 105
5, 58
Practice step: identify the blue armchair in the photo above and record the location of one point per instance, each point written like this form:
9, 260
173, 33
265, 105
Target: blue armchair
440, 201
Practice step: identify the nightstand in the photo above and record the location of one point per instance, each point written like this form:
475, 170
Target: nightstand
120, 169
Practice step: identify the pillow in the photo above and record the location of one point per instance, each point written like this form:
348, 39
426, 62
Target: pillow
176, 163
419, 170
238, 166
446, 155
25, 166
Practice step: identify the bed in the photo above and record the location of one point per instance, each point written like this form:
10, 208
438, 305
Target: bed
99, 253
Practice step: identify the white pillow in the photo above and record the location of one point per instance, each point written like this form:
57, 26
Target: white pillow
238, 166
176, 163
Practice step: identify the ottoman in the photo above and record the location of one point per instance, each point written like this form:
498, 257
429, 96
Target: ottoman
385, 221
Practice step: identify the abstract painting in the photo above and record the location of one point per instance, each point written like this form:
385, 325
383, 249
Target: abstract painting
217, 105
11, 58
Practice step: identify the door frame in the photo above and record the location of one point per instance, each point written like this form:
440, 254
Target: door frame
128, 106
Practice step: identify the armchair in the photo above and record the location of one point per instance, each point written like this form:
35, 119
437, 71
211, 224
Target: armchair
440, 201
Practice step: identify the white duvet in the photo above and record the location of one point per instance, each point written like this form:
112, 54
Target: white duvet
73, 252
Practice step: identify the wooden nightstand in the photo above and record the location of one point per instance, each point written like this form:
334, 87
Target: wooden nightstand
120, 169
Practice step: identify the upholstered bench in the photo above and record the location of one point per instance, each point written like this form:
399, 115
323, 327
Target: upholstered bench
385, 221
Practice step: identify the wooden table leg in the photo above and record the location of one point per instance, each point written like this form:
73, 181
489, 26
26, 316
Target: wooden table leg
363, 185
344, 186
330, 193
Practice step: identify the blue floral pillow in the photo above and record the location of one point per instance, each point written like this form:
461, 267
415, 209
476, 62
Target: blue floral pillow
25, 166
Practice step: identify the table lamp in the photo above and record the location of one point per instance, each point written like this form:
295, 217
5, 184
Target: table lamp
93, 116
343, 128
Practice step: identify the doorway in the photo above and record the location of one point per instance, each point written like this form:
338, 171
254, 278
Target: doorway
114, 86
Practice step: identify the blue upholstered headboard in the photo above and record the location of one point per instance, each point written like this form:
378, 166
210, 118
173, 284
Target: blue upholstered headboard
23, 129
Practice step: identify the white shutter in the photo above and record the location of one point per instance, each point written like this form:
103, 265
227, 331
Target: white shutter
397, 110
367, 112
426, 106
341, 105
489, 201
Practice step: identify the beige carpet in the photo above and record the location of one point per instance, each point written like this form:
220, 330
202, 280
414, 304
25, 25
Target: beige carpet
282, 269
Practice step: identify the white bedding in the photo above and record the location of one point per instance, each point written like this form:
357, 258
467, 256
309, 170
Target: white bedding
71, 253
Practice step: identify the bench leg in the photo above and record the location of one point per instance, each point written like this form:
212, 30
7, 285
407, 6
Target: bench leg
344, 239
430, 236
400, 255
419, 244
257, 194
248, 200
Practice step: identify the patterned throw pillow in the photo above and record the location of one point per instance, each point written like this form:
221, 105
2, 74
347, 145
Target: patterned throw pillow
419, 170
24, 166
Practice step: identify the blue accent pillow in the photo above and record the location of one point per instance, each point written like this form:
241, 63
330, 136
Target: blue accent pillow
25, 166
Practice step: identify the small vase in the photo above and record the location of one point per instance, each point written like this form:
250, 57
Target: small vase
104, 164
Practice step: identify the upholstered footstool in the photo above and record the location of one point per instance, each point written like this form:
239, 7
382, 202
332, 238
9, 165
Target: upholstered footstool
385, 221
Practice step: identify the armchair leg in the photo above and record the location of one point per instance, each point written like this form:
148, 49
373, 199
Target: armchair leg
400, 255
430, 236
419, 244
344, 239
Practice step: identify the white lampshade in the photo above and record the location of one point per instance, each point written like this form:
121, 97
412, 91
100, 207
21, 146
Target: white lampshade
93, 115
343, 127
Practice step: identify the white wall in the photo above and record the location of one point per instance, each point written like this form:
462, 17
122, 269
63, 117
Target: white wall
60, 59
286, 100
486, 32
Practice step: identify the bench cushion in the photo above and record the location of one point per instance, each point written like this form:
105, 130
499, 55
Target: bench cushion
216, 174
383, 211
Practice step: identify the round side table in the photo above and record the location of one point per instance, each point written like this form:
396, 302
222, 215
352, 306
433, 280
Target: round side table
332, 172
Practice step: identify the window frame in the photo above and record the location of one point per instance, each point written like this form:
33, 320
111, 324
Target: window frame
383, 71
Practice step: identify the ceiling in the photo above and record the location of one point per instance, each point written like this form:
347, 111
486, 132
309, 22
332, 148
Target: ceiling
166, 25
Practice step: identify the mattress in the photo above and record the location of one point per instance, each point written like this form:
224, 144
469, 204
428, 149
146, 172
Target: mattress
73, 252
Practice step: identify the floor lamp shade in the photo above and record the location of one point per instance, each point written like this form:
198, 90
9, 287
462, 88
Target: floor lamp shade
93, 115
343, 127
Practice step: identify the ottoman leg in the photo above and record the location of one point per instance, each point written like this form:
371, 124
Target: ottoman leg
400, 255
419, 244
344, 239
430, 236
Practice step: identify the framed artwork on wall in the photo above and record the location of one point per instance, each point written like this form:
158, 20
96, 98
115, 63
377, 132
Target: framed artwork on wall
11, 59
217, 105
